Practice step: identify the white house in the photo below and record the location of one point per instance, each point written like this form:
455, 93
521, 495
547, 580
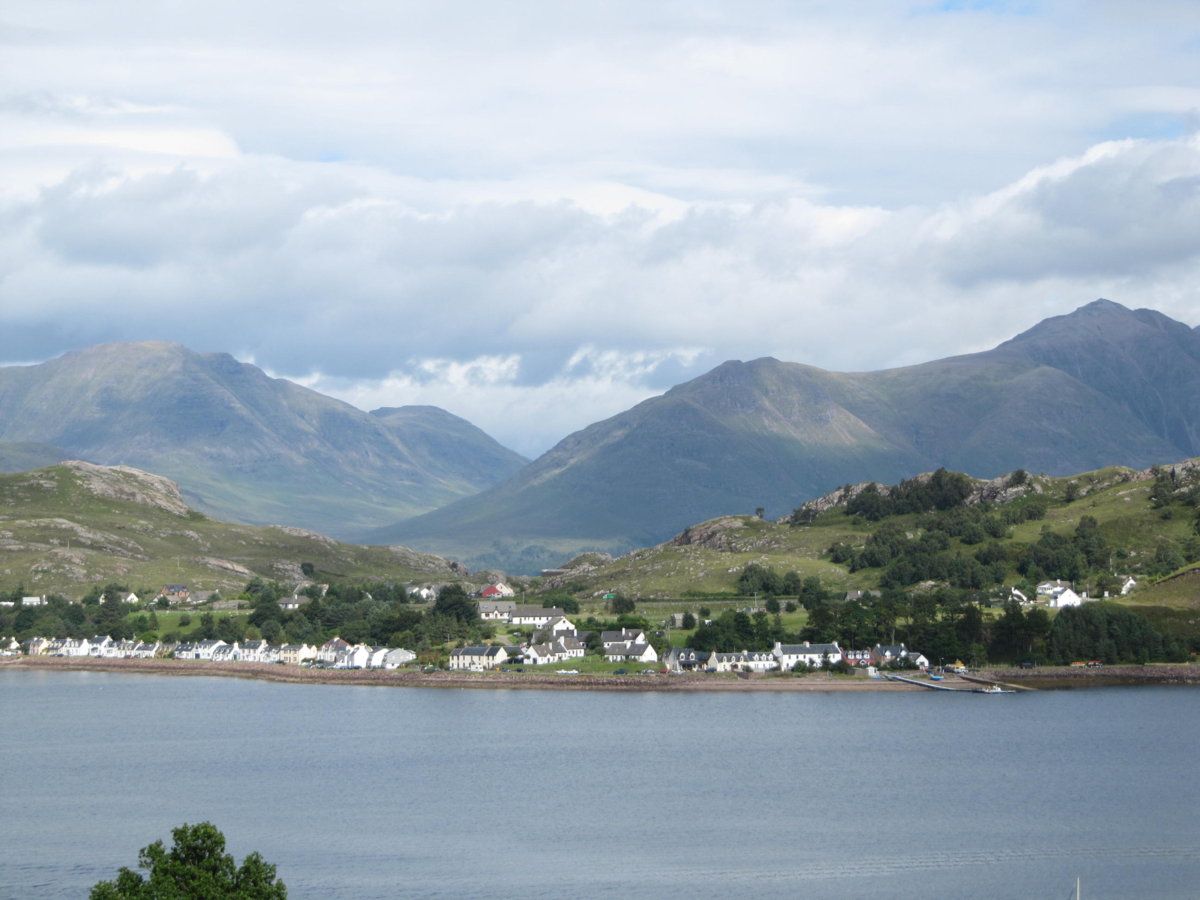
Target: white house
397, 658
477, 659
145, 650
685, 659
890, 653
378, 655
571, 647
558, 627
9, 646
1051, 589
1066, 598
100, 643
129, 598
536, 616
33, 601
254, 651
1128, 585
743, 661
355, 657
1018, 595
630, 652
624, 636
207, 649
120, 649
541, 654
328, 652
496, 610
815, 655
423, 593
226, 653
73, 647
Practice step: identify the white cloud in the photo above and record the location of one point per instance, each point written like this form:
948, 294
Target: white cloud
539, 215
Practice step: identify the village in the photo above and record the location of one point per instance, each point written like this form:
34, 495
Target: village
553, 639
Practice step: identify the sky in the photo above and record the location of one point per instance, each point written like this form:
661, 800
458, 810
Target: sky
536, 215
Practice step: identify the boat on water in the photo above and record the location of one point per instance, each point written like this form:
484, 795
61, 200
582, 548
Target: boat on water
994, 689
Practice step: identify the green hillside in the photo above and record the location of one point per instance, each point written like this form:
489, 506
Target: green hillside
1144, 521
68, 527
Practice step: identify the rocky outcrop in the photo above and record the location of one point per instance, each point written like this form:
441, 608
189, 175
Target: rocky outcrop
129, 484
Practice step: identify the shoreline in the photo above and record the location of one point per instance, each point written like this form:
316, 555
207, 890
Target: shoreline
687, 683
1046, 678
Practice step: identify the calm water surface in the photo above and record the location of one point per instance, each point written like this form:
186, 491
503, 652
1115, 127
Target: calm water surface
372, 792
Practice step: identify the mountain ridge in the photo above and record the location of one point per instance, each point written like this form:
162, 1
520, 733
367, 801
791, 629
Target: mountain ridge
1101, 385
243, 445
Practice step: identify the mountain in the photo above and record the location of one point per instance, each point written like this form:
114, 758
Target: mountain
245, 446
74, 525
444, 443
1103, 385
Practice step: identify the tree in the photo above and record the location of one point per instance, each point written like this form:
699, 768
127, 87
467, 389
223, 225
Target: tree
622, 605
196, 866
452, 600
689, 621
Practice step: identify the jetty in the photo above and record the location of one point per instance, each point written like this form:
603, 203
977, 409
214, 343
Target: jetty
993, 687
933, 686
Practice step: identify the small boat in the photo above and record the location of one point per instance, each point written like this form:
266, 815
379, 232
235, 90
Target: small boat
935, 677
993, 689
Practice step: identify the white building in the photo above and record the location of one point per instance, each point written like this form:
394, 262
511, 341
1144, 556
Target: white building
477, 659
1066, 598
743, 661
630, 651
815, 655
33, 601
496, 610
397, 658
356, 657
536, 616
328, 651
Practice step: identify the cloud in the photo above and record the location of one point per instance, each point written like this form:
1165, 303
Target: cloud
539, 216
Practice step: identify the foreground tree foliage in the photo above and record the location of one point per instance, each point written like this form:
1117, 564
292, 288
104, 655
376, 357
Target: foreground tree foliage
196, 867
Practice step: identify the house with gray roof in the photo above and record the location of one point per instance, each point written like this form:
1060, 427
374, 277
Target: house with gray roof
814, 655
478, 658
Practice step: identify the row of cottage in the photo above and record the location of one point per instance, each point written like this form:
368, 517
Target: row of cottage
558, 641
335, 653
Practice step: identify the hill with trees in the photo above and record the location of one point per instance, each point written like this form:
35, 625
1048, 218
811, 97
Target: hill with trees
933, 560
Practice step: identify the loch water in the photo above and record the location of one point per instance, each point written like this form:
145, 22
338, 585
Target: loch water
368, 792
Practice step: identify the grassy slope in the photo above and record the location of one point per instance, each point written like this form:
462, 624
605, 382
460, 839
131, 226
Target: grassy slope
57, 535
1121, 507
